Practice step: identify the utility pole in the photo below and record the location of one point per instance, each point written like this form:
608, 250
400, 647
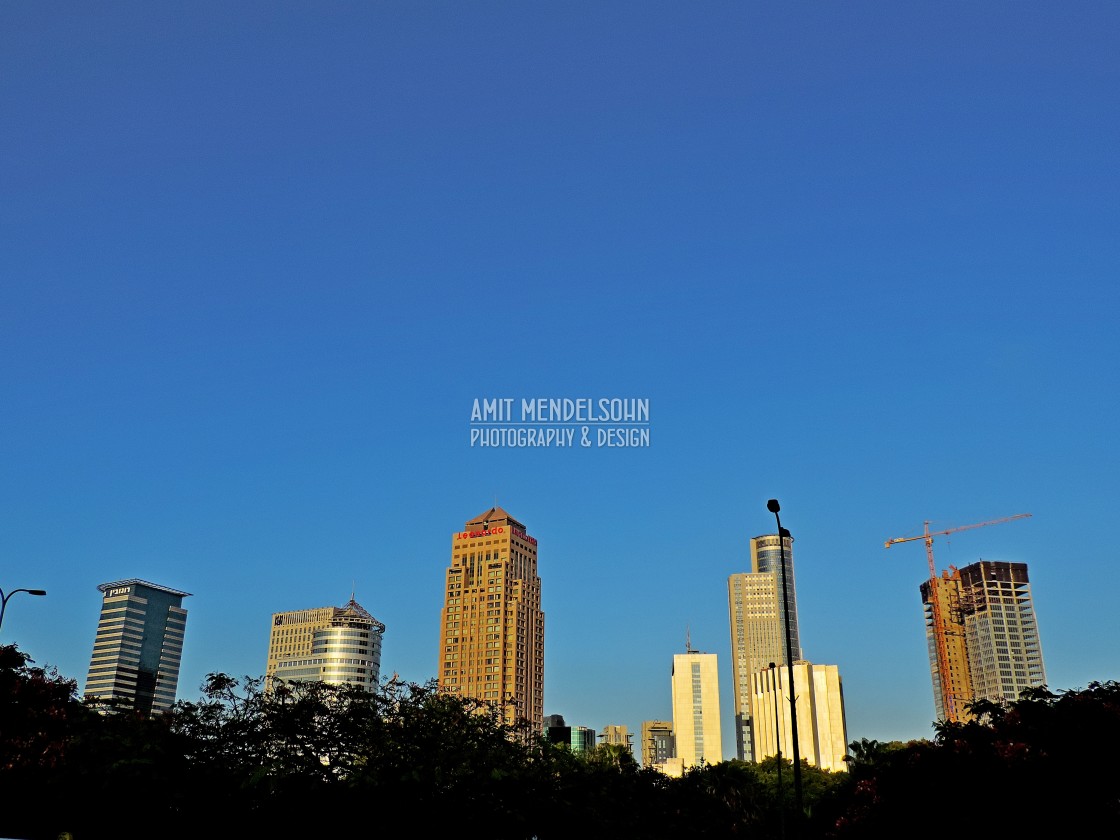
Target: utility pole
774, 507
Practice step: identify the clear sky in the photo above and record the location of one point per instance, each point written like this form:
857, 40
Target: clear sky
258, 259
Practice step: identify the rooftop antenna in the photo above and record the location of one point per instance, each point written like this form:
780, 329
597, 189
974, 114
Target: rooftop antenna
688, 640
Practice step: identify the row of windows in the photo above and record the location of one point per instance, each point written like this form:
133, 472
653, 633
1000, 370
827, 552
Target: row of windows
320, 660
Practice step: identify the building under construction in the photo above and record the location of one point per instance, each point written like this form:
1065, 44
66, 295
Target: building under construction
991, 639
981, 630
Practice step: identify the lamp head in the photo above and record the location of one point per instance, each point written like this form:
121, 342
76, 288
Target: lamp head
773, 506
36, 592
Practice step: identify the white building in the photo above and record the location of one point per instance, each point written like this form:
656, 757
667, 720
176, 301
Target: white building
822, 728
696, 721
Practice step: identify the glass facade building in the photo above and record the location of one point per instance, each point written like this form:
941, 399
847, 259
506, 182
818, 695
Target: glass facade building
138, 647
583, 739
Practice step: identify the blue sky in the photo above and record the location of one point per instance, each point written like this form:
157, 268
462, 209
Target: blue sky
258, 259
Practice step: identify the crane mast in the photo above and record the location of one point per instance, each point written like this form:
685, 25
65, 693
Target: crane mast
940, 630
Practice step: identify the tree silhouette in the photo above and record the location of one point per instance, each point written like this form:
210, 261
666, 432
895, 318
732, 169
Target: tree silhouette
249, 758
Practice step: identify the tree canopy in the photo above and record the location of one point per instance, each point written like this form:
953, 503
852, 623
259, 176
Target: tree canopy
246, 758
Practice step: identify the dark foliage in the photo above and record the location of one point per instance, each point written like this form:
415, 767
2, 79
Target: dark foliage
1045, 760
243, 761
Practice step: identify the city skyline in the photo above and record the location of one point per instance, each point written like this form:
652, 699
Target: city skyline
729, 724
259, 269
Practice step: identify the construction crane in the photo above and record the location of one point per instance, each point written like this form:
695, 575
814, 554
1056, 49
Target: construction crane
939, 629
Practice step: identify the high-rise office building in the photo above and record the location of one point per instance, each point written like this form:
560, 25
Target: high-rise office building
657, 742
326, 644
756, 640
766, 556
138, 647
995, 651
821, 723
696, 723
757, 618
491, 641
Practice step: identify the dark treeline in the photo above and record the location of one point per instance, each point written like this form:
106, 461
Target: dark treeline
245, 762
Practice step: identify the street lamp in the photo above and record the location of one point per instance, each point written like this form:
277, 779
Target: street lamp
774, 507
4, 599
778, 747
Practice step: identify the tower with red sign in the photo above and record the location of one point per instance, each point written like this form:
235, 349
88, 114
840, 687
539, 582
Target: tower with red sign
492, 627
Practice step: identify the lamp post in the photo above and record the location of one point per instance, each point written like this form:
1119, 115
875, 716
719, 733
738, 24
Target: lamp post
774, 507
4, 599
778, 749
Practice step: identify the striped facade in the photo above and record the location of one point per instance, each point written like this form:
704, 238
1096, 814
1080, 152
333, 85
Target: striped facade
339, 645
138, 647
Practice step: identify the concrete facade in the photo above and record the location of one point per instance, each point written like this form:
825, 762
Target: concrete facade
657, 742
757, 613
491, 644
617, 735
339, 645
992, 639
821, 723
696, 717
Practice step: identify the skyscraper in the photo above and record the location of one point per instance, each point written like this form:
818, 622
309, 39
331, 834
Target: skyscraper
696, 724
757, 613
996, 651
138, 647
1000, 630
766, 556
326, 644
492, 628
